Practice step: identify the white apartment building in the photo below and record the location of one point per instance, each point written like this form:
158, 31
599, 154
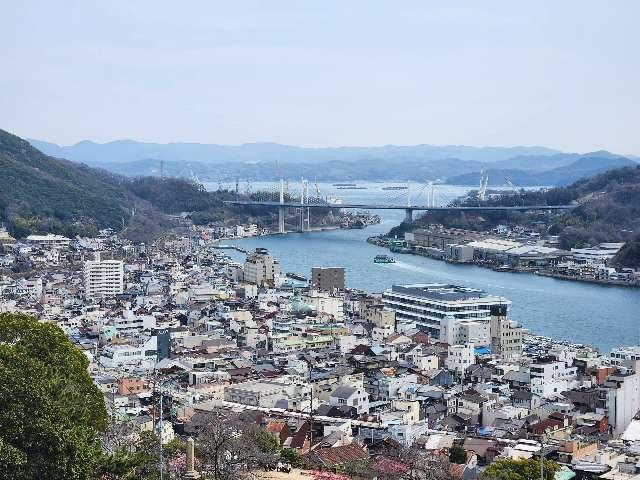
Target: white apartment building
25, 287
103, 278
49, 241
451, 313
131, 324
351, 396
143, 355
423, 360
454, 332
388, 387
251, 230
460, 357
627, 357
551, 378
266, 393
261, 268
619, 399
379, 334
325, 304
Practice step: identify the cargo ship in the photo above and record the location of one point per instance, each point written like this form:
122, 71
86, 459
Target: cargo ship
396, 187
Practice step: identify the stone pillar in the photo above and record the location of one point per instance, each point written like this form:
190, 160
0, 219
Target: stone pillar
408, 215
191, 473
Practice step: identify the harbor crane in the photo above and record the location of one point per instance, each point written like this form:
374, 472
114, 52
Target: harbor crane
514, 189
484, 181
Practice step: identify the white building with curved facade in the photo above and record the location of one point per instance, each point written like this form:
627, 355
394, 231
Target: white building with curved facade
453, 314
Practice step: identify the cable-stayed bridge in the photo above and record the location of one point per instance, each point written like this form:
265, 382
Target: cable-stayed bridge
305, 196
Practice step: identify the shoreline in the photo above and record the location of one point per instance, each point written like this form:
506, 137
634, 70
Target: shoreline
597, 281
270, 234
380, 242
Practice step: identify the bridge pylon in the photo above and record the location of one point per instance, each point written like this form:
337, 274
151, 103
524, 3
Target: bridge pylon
281, 210
408, 215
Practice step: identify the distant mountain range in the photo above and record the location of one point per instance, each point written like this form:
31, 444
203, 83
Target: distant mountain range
39, 193
123, 151
525, 166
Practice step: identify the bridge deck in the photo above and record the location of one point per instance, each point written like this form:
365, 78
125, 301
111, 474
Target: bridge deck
365, 206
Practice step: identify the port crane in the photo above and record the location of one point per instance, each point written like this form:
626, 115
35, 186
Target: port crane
484, 181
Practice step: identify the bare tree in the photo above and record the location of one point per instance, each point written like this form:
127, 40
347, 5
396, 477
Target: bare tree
120, 435
230, 446
412, 464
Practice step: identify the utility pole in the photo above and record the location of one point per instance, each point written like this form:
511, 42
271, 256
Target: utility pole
161, 423
310, 412
310, 368
160, 436
541, 460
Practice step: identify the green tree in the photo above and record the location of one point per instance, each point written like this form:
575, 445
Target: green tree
520, 470
457, 455
292, 457
51, 413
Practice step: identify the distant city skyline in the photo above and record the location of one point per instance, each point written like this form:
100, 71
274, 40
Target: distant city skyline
562, 75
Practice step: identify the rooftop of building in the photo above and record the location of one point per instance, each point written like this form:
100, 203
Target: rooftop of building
443, 292
632, 350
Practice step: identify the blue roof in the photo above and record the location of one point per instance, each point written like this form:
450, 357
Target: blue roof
482, 350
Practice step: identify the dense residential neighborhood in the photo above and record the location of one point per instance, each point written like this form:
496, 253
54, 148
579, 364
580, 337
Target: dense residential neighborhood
177, 330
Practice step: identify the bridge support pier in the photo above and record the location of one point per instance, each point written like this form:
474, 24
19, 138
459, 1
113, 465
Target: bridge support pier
281, 220
408, 215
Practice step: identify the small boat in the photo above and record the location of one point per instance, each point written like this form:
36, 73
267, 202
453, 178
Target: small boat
383, 259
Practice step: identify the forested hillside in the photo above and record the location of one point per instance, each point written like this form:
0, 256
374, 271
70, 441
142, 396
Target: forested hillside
629, 255
41, 194
607, 209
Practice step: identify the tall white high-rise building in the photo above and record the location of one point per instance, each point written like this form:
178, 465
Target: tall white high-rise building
103, 278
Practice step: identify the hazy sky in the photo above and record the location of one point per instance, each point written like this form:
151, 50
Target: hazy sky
563, 74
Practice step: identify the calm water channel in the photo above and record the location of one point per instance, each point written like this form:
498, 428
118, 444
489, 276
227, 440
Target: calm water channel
584, 313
